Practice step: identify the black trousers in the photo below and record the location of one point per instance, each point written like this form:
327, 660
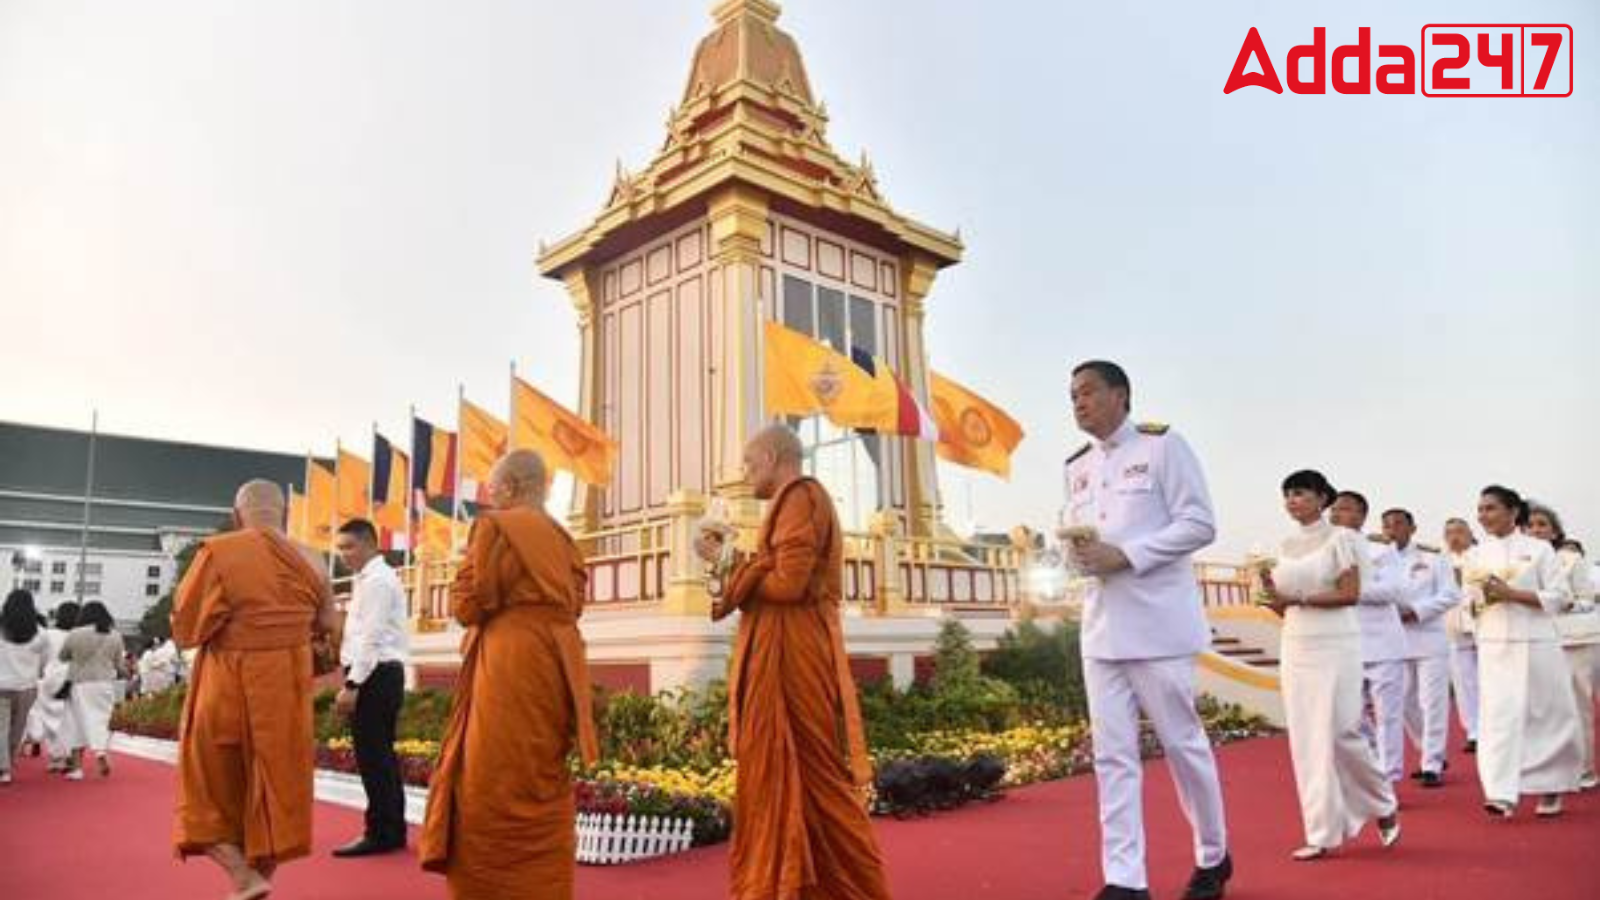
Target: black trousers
373, 727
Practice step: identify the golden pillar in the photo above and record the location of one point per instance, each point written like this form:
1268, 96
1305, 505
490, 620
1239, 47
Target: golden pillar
923, 507
738, 223
581, 286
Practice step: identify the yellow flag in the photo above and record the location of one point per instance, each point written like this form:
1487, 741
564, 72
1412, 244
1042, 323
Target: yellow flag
355, 479
566, 440
483, 442
972, 431
322, 501
297, 518
438, 536
805, 377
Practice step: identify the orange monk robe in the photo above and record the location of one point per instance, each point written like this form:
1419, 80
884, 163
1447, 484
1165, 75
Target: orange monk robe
800, 827
246, 744
500, 822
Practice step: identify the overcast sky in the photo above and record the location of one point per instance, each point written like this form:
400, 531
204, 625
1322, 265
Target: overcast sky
268, 224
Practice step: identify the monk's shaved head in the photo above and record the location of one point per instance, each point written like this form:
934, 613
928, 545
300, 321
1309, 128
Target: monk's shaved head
259, 503
772, 459
781, 442
519, 479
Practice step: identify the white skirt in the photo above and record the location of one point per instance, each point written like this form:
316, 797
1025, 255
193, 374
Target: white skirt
92, 703
1527, 720
1336, 774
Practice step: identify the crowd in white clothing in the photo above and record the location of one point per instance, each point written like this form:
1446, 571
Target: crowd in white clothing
1377, 631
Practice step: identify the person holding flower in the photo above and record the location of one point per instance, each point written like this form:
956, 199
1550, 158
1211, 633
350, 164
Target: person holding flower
1527, 718
1315, 587
1458, 624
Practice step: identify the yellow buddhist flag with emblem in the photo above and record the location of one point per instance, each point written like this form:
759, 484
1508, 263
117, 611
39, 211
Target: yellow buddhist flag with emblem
564, 439
972, 431
804, 378
483, 441
322, 501
354, 475
298, 526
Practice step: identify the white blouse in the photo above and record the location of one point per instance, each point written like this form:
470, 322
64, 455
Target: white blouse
1310, 561
1580, 622
1524, 563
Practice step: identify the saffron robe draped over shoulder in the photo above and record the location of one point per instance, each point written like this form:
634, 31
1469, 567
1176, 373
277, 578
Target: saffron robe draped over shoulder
500, 821
801, 830
246, 746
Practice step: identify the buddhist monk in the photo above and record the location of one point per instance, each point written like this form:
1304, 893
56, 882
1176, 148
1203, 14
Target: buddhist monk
800, 828
500, 821
250, 604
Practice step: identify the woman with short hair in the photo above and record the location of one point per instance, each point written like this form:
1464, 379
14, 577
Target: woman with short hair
23, 651
1579, 627
1315, 585
94, 655
1528, 720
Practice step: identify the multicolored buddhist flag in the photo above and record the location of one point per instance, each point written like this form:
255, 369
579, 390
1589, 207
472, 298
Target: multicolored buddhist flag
805, 378
355, 480
434, 474
483, 442
911, 418
391, 480
564, 439
972, 431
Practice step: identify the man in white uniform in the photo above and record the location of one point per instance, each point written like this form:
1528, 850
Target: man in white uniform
1430, 591
1137, 508
1458, 624
1383, 639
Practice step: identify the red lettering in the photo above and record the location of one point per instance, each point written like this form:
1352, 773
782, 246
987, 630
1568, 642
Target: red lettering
1443, 64
1501, 61
1267, 77
1362, 51
1551, 40
1404, 68
1317, 50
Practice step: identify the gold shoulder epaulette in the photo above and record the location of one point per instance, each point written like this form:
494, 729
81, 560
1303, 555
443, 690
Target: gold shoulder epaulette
1079, 452
1378, 538
1427, 548
1157, 428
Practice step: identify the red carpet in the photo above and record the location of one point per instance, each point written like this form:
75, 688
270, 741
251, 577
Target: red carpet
108, 839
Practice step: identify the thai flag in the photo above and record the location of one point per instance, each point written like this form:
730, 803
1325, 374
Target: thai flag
912, 420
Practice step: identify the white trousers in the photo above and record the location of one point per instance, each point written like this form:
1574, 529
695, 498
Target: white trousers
91, 704
1584, 660
1428, 709
1527, 720
1384, 686
1164, 689
1340, 784
1464, 680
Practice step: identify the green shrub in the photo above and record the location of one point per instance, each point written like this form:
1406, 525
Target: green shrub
1045, 667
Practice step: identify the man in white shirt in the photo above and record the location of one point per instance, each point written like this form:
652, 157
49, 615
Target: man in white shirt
1137, 508
1459, 626
1383, 638
1429, 592
374, 653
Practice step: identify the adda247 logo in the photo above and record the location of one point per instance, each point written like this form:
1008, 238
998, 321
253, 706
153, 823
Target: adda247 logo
1473, 60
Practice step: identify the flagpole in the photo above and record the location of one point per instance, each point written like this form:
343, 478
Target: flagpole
333, 511
88, 503
455, 505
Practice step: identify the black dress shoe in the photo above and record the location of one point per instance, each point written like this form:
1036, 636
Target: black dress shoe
1117, 892
1469, 747
1418, 775
1210, 883
364, 847
1432, 780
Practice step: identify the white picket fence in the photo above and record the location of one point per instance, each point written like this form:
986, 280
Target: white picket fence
606, 839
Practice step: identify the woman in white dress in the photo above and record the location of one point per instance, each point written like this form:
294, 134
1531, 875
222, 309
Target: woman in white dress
1458, 539
1314, 586
1527, 716
1579, 627
95, 659
23, 649
56, 727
